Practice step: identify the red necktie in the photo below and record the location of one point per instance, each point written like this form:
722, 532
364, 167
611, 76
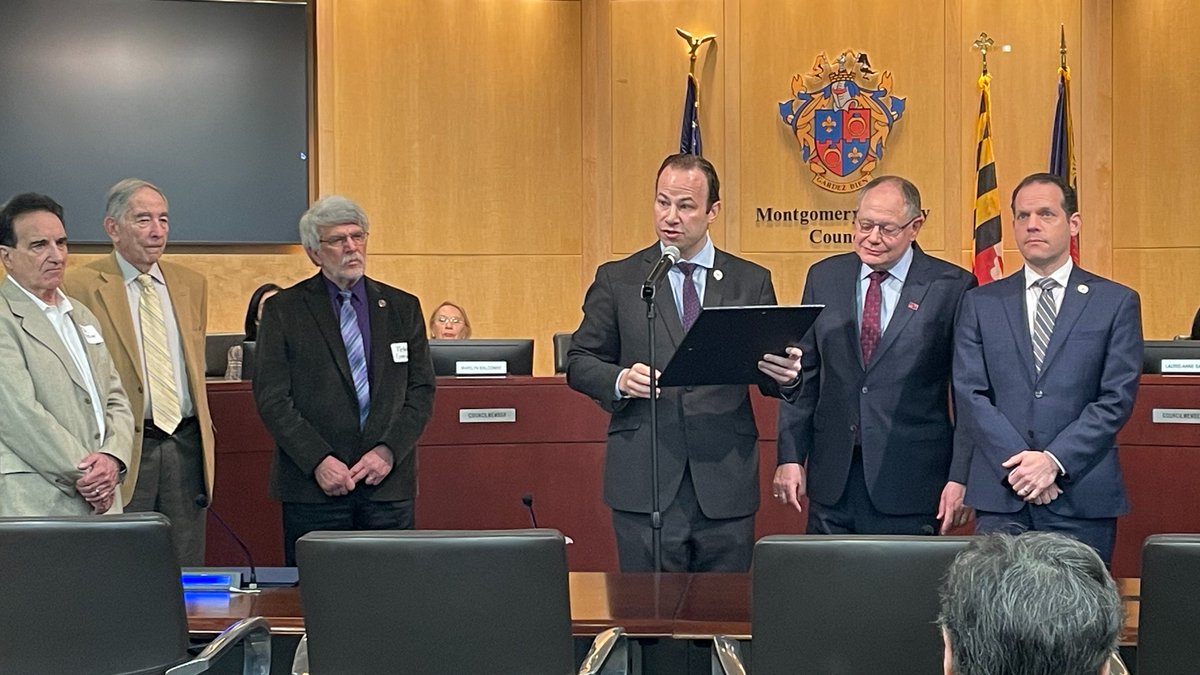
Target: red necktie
868, 338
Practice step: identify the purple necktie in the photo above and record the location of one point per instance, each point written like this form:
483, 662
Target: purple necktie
691, 299
868, 338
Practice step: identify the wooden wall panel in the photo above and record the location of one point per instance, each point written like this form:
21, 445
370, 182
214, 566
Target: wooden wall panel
648, 81
232, 278
1166, 280
1156, 240
504, 148
515, 303
458, 123
1154, 135
1024, 92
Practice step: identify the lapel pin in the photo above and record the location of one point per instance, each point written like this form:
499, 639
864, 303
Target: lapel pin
1082, 288
717, 274
913, 306
382, 302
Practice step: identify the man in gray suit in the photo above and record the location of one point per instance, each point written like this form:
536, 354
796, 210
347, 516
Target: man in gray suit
708, 459
872, 421
66, 431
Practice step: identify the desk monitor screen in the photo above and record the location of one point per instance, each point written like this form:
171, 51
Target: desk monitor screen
482, 357
216, 352
1171, 357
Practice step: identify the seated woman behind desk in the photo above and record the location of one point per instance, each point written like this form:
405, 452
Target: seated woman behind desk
233, 367
449, 322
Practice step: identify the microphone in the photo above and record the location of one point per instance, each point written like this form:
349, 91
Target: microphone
252, 587
527, 500
669, 257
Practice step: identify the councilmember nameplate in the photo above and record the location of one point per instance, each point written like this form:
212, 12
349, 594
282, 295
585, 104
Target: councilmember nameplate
486, 415
1181, 366
481, 368
1175, 415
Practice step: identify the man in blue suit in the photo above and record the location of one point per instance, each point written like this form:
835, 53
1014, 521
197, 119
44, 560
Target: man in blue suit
1046, 366
870, 440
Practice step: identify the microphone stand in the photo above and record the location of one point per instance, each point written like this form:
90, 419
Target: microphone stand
648, 291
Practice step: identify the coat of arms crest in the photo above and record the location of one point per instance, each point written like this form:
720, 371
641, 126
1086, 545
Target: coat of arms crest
841, 113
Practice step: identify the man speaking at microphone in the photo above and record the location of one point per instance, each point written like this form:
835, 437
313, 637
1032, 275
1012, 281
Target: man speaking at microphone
708, 456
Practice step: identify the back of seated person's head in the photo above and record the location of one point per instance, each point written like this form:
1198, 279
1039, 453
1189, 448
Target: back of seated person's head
1196, 326
254, 309
1035, 604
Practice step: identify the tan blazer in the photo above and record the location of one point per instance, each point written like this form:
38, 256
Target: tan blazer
48, 425
100, 286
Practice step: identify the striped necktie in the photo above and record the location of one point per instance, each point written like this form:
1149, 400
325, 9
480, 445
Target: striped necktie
352, 337
1043, 320
164, 398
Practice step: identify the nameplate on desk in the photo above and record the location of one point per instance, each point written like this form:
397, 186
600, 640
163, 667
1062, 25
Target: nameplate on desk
481, 367
1175, 415
1181, 366
486, 415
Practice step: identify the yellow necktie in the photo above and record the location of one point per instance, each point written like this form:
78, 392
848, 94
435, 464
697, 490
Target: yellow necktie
164, 400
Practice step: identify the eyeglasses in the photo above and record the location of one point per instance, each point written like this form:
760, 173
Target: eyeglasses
448, 319
886, 229
359, 238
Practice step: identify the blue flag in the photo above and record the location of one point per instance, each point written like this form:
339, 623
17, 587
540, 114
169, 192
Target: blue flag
689, 134
1062, 144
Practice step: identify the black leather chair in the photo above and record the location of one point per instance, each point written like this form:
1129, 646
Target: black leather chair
562, 343
434, 602
1168, 630
103, 595
844, 604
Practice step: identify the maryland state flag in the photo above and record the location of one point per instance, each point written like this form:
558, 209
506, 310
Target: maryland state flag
1062, 144
989, 266
689, 134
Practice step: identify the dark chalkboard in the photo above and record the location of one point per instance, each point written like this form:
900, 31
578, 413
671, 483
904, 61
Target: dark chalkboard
208, 100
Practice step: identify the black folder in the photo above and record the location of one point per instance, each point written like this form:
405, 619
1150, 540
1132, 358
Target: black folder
725, 344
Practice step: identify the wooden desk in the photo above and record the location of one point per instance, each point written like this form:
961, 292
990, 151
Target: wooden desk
470, 475
1161, 463
681, 606
644, 604
473, 475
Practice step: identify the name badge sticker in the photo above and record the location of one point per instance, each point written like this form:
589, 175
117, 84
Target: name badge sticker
92, 335
399, 352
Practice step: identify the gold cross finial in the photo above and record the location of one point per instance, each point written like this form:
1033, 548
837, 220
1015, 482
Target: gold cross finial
983, 43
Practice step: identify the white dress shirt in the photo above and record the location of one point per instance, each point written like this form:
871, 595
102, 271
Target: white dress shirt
61, 318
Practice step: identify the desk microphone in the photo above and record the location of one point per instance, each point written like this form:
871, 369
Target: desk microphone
252, 587
669, 257
527, 500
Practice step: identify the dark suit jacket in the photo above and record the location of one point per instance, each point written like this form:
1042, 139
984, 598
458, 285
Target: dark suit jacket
305, 392
898, 404
709, 428
1074, 408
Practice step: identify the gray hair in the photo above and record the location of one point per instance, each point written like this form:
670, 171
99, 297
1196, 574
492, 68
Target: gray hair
1037, 603
912, 196
117, 202
330, 210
